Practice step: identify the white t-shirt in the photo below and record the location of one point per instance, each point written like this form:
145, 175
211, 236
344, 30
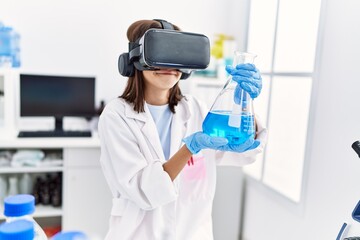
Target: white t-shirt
162, 117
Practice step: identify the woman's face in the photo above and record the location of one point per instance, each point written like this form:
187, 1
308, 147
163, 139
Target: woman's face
163, 79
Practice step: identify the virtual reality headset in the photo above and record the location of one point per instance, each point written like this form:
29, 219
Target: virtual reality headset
166, 48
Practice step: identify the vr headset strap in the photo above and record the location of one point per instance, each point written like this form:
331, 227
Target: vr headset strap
134, 47
134, 50
165, 24
138, 66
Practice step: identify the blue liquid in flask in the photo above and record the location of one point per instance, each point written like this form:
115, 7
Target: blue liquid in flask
216, 124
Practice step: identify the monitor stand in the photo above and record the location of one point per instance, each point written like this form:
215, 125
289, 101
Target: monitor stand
60, 132
58, 124
57, 132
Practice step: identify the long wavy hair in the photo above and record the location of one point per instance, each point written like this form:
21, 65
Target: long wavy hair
135, 88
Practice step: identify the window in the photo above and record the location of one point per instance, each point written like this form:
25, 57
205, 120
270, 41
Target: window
283, 33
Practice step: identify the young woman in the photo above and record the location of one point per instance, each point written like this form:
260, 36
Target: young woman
160, 167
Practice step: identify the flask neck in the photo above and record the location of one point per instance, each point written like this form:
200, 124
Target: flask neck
243, 57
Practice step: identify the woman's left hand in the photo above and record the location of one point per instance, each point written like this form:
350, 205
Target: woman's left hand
248, 78
239, 148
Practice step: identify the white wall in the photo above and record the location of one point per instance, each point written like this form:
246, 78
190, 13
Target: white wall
332, 190
85, 37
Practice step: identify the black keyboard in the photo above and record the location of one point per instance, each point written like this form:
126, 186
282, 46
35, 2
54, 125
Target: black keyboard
31, 134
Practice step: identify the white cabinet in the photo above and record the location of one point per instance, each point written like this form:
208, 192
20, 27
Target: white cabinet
86, 198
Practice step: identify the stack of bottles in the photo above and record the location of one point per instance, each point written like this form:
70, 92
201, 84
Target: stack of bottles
48, 190
9, 47
20, 225
21, 207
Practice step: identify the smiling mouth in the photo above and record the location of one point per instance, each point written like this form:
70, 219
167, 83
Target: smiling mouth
167, 72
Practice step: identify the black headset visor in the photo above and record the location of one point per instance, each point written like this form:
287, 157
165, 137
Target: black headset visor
163, 48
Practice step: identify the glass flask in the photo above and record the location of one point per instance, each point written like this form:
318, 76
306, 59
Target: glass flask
232, 114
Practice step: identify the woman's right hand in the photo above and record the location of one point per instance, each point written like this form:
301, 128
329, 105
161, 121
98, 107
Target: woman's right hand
200, 140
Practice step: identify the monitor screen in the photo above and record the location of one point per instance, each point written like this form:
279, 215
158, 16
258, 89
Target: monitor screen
57, 96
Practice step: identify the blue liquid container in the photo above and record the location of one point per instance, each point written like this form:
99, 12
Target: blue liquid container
17, 230
70, 235
216, 125
21, 207
9, 47
232, 115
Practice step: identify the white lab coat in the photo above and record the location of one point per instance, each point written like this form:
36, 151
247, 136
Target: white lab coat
146, 203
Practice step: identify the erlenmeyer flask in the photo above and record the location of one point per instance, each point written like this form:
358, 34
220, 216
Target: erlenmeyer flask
232, 115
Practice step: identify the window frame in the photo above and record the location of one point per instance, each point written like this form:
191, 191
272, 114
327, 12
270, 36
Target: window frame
258, 183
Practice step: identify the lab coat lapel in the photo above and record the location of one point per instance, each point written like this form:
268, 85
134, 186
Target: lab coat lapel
148, 128
178, 125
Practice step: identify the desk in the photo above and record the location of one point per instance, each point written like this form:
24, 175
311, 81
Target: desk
86, 199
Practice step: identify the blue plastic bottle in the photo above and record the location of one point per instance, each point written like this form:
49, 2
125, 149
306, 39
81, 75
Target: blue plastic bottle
17, 230
9, 47
15, 49
70, 235
5, 46
20, 207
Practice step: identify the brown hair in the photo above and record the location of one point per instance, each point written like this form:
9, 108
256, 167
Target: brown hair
134, 90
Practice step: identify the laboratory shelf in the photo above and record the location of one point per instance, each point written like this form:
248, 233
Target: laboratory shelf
41, 211
40, 169
47, 211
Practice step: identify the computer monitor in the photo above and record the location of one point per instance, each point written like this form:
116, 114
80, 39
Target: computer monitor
56, 96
